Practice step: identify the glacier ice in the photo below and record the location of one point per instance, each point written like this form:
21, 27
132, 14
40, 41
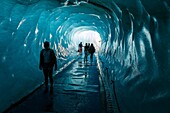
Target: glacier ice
135, 46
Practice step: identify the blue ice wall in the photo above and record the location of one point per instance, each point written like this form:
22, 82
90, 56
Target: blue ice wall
137, 56
24, 26
135, 46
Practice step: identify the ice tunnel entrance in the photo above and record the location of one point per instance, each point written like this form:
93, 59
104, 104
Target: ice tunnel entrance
87, 36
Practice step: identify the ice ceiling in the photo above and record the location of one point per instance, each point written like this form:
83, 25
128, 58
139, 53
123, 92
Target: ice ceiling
132, 37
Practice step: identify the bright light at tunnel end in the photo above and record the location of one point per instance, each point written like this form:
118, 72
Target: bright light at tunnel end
87, 36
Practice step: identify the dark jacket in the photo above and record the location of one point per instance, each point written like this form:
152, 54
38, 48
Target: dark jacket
91, 49
47, 58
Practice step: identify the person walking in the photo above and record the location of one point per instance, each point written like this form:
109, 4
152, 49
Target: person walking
85, 53
47, 62
80, 48
91, 51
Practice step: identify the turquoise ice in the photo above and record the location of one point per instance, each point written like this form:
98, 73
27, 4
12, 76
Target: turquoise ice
132, 38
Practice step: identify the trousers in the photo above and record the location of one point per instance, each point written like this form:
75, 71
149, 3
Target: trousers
48, 73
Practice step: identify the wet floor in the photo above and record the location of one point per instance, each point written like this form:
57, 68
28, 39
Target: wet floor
76, 90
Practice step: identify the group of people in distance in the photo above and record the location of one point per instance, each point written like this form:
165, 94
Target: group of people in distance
88, 49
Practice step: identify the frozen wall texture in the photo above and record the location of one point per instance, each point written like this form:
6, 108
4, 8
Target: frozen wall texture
135, 46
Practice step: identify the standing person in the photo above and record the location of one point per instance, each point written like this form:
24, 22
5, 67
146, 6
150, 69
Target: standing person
80, 48
88, 46
85, 52
47, 62
91, 51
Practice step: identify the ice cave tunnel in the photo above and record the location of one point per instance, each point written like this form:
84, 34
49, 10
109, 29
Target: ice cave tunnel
132, 40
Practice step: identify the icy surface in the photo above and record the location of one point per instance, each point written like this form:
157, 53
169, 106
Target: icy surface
135, 46
76, 90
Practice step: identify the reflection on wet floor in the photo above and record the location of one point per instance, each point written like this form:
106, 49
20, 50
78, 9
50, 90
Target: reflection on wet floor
76, 90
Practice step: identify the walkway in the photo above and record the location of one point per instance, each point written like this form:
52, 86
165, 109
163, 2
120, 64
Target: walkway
76, 90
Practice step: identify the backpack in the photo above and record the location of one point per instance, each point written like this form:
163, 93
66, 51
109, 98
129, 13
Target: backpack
48, 56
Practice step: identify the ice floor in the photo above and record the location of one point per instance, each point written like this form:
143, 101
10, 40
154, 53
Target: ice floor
76, 90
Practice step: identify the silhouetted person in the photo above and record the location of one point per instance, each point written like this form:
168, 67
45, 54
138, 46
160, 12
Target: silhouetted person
47, 62
91, 51
85, 52
88, 45
80, 47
